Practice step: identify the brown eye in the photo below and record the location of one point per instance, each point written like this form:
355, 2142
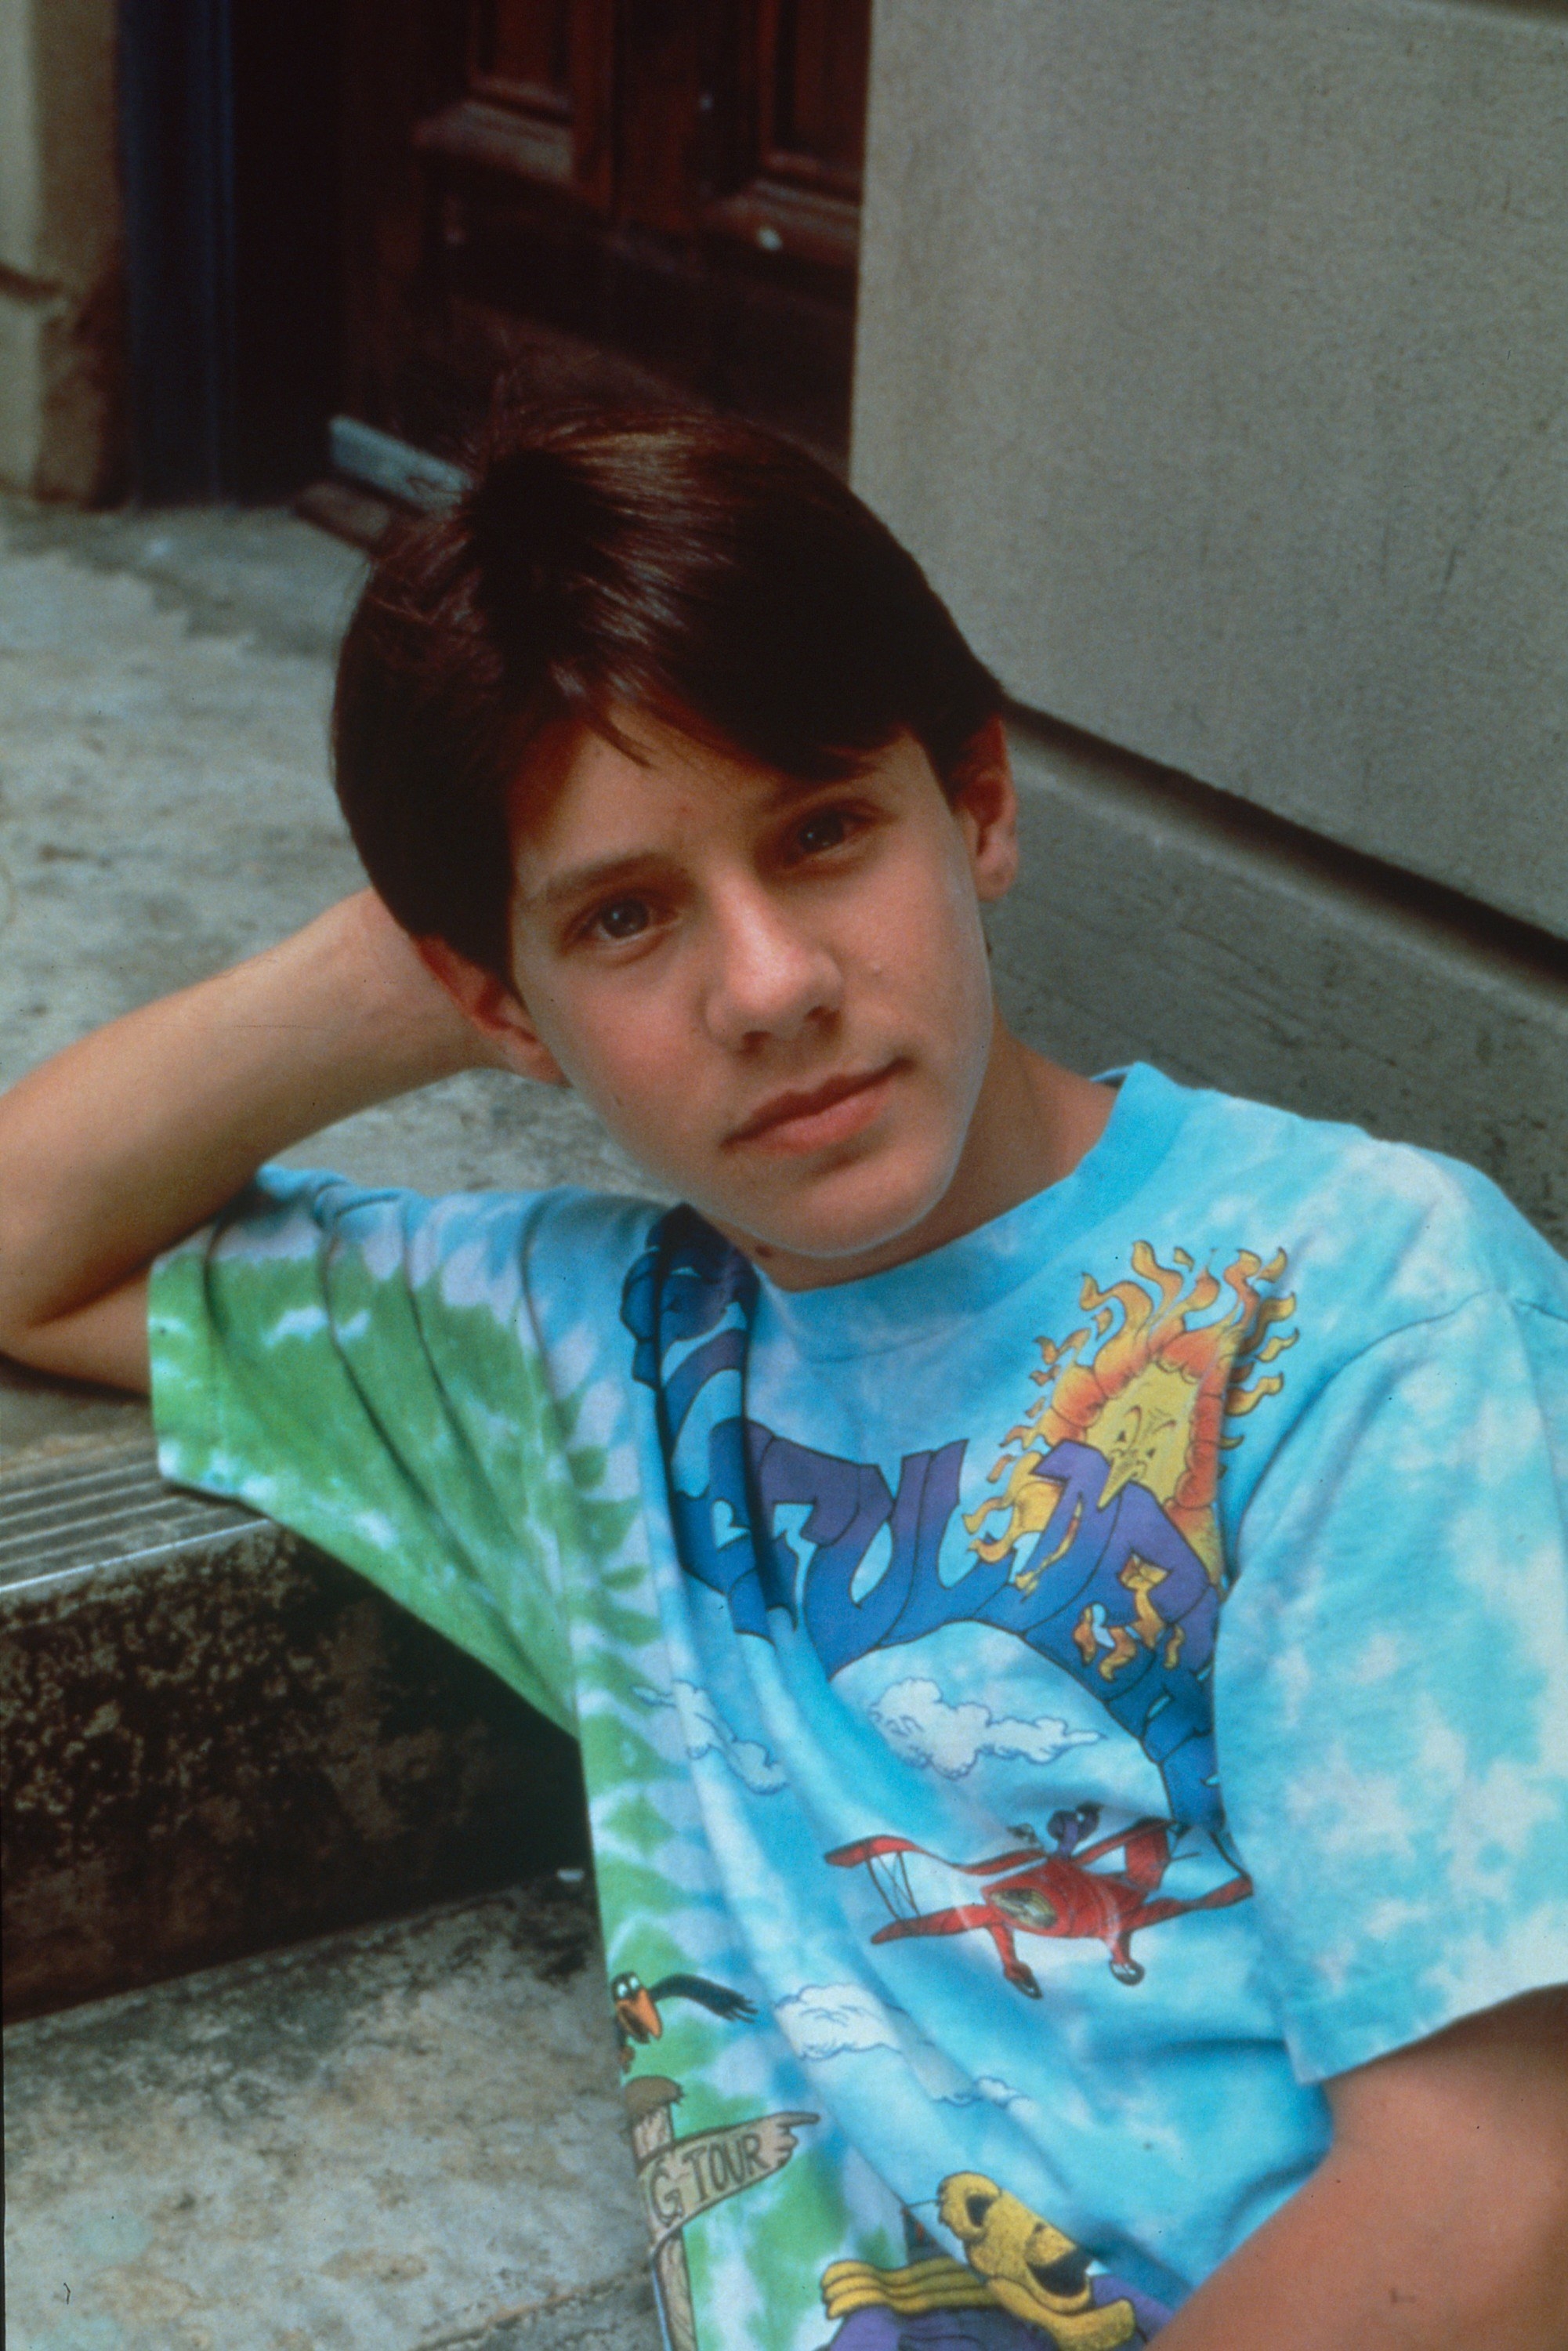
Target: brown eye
827, 830
624, 920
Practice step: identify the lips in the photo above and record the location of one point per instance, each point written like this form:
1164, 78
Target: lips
806, 1118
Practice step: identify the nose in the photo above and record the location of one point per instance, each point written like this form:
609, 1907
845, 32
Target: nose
768, 974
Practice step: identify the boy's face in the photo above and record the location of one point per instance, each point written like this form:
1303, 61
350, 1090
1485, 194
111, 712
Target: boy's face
776, 995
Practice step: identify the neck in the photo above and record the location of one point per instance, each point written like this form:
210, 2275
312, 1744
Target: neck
1032, 1123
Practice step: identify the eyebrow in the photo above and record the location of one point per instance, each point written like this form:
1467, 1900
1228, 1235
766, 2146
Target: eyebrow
637, 864
601, 874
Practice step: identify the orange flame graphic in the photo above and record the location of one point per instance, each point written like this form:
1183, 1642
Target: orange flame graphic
1150, 1389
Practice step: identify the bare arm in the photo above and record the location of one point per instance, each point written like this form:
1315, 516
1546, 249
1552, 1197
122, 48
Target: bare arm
1439, 2217
126, 1142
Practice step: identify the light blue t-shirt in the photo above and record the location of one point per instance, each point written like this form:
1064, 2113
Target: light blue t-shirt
1044, 1708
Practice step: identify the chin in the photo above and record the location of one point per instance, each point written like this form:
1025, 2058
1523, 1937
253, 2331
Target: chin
837, 1221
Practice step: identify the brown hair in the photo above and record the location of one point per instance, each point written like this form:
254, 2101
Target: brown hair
688, 567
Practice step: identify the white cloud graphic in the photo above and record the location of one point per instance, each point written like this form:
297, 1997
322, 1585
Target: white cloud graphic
919, 1724
706, 1732
824, 2021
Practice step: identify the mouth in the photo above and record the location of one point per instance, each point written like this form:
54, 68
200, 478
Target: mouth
1062, 2281
814, 1118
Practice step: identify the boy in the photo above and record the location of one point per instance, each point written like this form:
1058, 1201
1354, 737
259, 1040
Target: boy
1060, 1585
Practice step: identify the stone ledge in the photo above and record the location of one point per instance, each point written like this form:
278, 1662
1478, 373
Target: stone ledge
220, 1740
92, 1511
1165, 923
409, 2136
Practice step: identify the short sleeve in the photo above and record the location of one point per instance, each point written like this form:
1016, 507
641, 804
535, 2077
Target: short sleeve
363, 1367
1390, 1687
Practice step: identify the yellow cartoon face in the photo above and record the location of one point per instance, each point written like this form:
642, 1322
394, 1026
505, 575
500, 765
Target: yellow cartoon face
1031, 2268
1155, 1384
1145, 1431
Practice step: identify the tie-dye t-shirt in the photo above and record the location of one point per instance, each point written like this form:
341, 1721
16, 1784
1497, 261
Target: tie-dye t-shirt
1044, 1707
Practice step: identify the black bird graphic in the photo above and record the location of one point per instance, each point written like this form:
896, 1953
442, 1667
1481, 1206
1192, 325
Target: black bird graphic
637, 2017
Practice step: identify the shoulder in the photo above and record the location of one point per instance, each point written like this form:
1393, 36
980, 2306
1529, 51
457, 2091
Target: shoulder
490, 1250
1396, 1234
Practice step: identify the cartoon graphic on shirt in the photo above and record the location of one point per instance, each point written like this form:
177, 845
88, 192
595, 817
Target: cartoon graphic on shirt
638, 2020
1151, 1399
1023, 2285
679, 2179
1107, 1562
1031, 1891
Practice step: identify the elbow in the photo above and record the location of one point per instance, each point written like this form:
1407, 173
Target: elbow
103, 1342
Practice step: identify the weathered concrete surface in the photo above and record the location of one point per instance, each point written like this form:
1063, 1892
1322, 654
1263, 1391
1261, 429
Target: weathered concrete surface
44, 1418
276, 1750
164, 808
218, 1741
1158, 923
1213, 357
405, 2139
61, 356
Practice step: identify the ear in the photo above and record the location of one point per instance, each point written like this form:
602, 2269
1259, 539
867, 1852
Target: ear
986, 806
497, 1013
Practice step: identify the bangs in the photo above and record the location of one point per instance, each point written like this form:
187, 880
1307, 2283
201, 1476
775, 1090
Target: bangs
691, 568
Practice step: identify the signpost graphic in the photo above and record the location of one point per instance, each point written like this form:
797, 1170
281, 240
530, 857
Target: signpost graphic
681, 2178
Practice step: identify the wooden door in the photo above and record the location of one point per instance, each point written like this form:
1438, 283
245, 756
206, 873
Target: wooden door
607, 196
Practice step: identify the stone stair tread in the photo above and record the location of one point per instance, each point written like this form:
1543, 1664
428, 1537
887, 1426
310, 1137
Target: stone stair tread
99, 1505
219, 1740
410, 2135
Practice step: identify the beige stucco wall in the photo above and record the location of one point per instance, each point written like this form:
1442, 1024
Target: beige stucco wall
60, 331
1213, 356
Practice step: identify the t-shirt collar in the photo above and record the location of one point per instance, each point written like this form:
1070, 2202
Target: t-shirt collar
914, 1301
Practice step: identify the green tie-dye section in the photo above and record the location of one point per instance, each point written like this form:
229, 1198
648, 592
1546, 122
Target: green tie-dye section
417, 1439
435, 1394
761, 2268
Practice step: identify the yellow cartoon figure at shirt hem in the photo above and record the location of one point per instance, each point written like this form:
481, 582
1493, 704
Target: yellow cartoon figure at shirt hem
1023, 2285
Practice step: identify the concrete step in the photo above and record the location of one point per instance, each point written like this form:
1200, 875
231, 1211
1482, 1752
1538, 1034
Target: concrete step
219, 1742
408, 2138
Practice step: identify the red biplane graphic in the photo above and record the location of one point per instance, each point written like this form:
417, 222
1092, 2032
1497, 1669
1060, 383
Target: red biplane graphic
1032, 1891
